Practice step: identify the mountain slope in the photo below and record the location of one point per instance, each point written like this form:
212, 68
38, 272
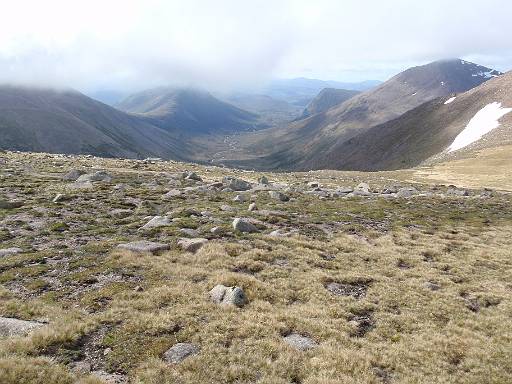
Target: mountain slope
314, 142
426, 133
326, 99
69, 122
188, 112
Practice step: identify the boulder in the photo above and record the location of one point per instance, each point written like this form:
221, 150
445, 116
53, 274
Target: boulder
297, 341
120, 213
144, 246
252, 207
9, 204
240, 199
72, 175
60, 197
235, 296
171, 194
263, 180
193, 176
179, 352
10, 251
190, 232
192, 245
157, 221
216, 231
96, 176
15, 327
406, 192
244, 225
236, 184
276, 195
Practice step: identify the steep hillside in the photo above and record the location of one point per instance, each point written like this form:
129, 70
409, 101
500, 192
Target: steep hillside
188, 112
326, 99
69, 122
314, 142
428, 131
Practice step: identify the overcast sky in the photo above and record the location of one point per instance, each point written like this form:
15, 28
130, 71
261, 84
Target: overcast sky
223, 44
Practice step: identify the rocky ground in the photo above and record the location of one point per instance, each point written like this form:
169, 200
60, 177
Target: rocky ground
148, 271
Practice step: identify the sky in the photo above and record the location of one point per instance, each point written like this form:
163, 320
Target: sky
241, 44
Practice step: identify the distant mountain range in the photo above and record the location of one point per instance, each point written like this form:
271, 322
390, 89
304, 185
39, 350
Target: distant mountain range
423, 115
318, 142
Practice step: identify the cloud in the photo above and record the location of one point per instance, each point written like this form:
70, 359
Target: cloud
227, 44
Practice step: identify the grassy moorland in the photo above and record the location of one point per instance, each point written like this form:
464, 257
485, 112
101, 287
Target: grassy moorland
386, 289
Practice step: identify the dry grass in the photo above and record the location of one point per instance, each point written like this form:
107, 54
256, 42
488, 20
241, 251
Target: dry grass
435, 275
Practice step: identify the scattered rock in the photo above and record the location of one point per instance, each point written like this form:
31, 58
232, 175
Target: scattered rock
15, 327
221, 294
356, 290
96, 176
171, 194
72, 175
244, 225
144, 246
179, 352
240, 199
236, 184
297, 341
121, 213
59, 198
193, 176
407, 192
216, 231
157, 221
252, 207
263, 180
227, 208
276, 195
10, 251
190, 232
313, 184
191, 245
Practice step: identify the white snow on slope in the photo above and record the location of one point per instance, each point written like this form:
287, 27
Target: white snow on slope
483, 122
450, 100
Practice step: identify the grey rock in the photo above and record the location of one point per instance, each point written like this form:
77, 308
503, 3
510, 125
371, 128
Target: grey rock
72, 175
244, 225
252, 207
297, 341
171, 194
263, 180
227, 208
240, 199
276, 195
235, 296
189, 232
120, 213
157, 221
236, 184
362, 187
193, 176
15, 327
216, 231
179, 352
96, 176
313, 184
143, 246
406, 192
10, 251
59, 198
191, 245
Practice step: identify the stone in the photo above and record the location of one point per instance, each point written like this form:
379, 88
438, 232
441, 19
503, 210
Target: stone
144, 246
236, 184
234, 296
15, 327
59, 198
157, 221
192, 176
8, 204
96, 176
240, 199
313, 184
120, 213
252, 207
216, 231
189, 232
406, 192
243, 225
276, 195
362, 187
179, 352
263, 180
227, 208
192, 245
171, 194
300, 342
278, 233
10, 251
72, 175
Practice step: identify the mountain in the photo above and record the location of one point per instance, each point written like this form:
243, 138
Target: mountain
327, 98
46, 120
444, 129
315, 142
188, 112
301, 91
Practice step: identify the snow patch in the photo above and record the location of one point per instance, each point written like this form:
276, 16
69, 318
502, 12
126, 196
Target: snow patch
488, 75
450, 100
483, 122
